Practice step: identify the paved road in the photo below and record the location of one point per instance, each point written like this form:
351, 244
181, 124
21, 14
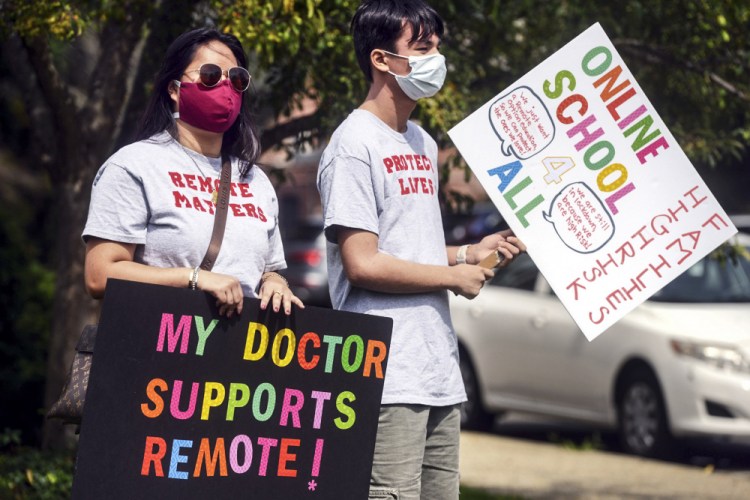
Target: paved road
535, 469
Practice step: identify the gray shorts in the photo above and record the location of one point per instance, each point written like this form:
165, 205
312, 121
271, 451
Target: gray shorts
416, 453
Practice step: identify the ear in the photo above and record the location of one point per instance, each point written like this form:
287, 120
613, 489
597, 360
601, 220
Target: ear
174, 92
377, 60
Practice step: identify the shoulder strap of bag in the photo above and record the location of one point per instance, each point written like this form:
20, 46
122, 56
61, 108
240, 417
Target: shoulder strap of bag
220, 218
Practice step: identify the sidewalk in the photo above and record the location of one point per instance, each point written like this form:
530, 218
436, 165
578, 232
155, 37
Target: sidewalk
540, 470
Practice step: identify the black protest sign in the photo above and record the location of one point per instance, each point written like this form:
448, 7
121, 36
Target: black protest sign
184, 403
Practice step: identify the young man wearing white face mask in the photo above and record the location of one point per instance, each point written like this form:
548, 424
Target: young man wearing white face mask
378, 181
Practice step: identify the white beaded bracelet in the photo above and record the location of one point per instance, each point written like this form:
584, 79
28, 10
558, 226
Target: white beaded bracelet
461, 254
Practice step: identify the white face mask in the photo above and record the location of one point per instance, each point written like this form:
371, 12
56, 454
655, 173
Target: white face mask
426, 77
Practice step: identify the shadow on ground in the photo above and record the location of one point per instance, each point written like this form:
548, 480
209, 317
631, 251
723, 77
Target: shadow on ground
712, 453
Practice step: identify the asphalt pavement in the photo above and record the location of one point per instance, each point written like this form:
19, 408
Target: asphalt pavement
535, 469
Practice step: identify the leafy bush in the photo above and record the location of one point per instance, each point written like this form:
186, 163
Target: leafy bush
28, 473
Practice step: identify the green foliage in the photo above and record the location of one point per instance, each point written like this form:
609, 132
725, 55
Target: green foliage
27, 473
25, 316
303, 51
731, 252
64, 20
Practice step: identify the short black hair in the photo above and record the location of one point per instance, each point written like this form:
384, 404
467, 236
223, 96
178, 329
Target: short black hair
377, 24
241, 140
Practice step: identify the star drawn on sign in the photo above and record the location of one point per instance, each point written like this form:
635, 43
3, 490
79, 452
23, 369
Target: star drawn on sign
311, 485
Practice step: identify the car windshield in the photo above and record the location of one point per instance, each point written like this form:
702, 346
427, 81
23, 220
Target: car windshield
722, 276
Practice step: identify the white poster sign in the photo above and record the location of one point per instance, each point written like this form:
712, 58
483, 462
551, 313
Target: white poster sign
585, 172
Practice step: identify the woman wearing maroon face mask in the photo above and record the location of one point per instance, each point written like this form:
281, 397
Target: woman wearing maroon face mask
153, 202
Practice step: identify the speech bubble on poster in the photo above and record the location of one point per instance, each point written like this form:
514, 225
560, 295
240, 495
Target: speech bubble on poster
184, 403
522, 123
580, 219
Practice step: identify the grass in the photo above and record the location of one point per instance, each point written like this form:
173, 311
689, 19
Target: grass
593, 442
476, 494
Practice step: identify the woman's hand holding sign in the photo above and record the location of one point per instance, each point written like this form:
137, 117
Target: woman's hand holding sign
275, 290
226, 289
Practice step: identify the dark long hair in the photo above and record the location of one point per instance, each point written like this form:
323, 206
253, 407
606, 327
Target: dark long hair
241, 140
377, 24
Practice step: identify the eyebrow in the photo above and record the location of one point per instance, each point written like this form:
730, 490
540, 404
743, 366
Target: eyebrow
427, 42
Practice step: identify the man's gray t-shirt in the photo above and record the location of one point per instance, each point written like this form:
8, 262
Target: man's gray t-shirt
378, 180
158, 195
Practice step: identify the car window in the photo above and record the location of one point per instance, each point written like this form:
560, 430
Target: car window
716, 278
520, 274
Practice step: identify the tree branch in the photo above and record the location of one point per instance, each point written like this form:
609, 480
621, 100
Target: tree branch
655, 55
274, 136
111, 85
58, 97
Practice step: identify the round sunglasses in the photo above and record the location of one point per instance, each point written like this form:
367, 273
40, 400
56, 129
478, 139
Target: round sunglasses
210, 75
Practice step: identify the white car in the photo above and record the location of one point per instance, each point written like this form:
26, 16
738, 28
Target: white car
676, 366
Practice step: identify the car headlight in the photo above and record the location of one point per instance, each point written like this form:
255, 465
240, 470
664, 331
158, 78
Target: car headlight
720, 356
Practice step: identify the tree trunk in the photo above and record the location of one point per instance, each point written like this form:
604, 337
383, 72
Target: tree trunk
73, 307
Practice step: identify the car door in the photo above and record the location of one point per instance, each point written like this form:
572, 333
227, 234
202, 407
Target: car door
535, 350
574, 368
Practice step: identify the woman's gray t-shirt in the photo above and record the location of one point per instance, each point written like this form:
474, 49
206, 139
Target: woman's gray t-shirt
158, 195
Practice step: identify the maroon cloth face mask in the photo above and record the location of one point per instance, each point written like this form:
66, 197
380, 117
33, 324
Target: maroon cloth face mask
209, 108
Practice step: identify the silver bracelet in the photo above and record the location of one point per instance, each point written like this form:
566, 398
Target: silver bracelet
461, 254
194, 278
274, 274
